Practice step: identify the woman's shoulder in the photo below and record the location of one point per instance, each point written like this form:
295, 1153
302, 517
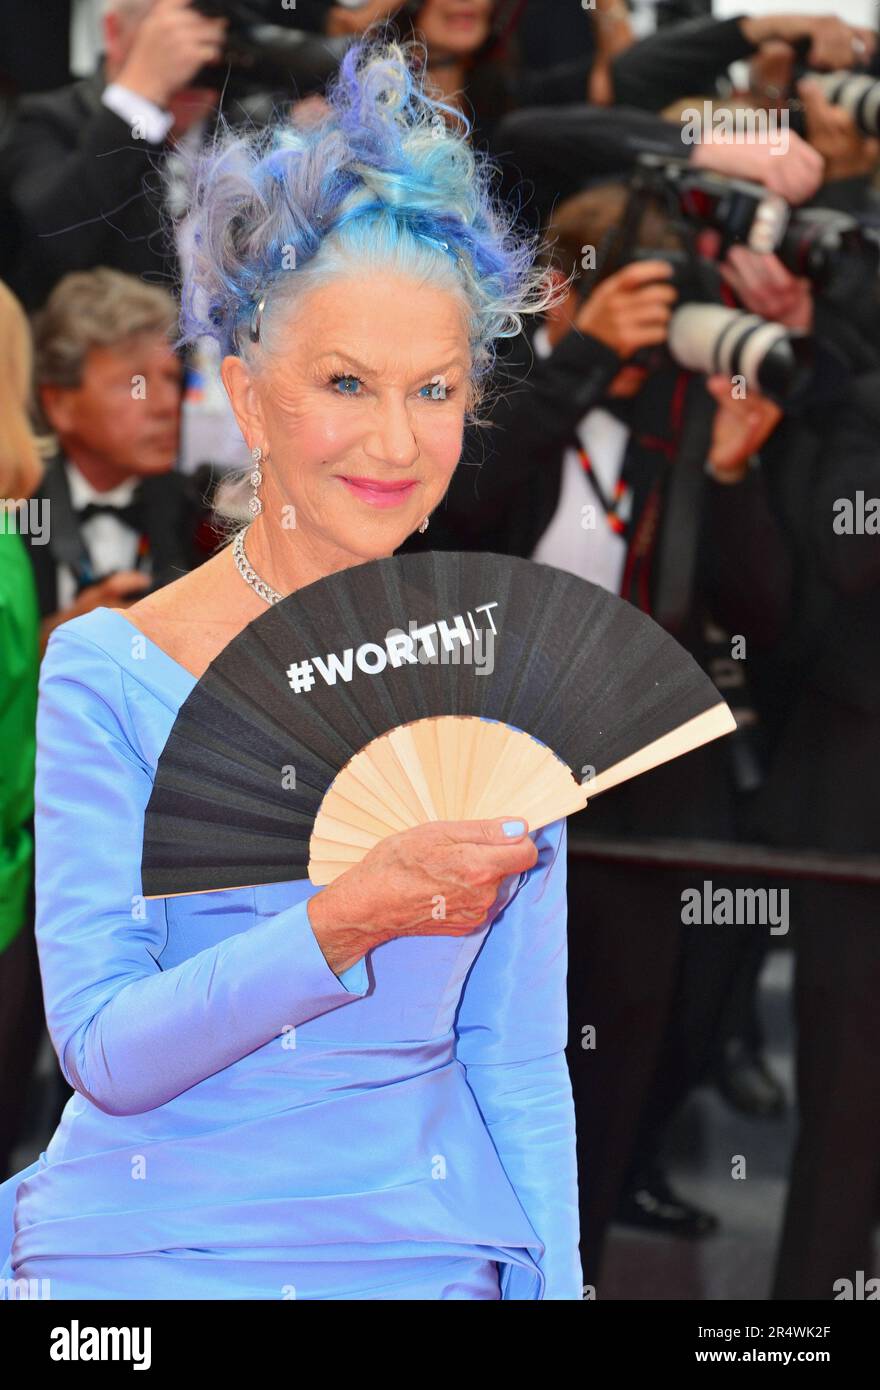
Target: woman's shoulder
82, 634
103, 688
104, 653
85, 653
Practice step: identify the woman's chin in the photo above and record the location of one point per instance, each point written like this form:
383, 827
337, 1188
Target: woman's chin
376, 541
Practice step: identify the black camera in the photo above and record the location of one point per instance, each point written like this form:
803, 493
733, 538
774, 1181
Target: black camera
668, 206
261, 54
839, 254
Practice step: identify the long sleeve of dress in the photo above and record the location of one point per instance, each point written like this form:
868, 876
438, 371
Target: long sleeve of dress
129, 1035
511, 1031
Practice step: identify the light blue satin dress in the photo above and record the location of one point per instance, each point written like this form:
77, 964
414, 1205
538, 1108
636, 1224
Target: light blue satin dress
246, 1123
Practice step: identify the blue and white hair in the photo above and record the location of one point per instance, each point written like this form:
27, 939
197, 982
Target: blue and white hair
379, 181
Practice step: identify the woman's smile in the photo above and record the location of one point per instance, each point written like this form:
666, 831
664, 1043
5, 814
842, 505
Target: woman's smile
377, 493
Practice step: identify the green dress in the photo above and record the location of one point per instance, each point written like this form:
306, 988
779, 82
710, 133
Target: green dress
19, 671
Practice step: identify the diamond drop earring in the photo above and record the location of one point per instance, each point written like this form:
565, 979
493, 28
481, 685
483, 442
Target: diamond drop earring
255, 506
424, 525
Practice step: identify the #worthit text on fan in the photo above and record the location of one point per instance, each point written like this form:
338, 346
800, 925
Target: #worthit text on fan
451, 641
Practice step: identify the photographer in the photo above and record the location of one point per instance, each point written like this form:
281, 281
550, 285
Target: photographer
76, 159
851, 160
823, 793
819, 691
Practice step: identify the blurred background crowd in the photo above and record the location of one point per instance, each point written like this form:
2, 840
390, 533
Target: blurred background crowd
695, 427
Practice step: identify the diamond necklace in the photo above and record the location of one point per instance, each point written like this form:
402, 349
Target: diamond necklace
248, 573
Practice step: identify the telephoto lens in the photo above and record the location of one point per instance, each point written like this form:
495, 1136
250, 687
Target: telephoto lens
769, 358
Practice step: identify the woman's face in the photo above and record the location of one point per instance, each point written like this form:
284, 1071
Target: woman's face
360, 416
455, 26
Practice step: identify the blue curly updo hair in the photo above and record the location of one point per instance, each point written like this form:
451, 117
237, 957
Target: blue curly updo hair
380, 180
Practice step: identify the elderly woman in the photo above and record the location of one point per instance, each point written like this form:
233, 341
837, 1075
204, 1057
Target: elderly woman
281, 1091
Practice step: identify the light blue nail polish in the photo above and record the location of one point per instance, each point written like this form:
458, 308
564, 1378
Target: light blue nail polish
514, 827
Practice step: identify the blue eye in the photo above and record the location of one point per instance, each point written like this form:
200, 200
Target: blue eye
429, 391
347, 376
437, 392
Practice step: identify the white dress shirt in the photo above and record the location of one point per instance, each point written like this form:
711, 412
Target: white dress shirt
138, 111
578, 538
111, 544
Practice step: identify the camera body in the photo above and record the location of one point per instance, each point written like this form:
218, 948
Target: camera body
262, 54
670, 208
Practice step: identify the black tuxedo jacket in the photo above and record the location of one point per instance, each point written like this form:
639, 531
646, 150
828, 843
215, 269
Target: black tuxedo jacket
172, 518
84, 192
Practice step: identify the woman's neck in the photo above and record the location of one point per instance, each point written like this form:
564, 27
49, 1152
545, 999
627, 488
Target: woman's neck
291, 559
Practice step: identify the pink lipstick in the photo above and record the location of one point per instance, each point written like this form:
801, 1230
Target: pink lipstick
377, 493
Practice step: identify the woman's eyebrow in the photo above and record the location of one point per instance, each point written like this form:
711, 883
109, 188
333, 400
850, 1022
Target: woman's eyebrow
348, 357
371, 371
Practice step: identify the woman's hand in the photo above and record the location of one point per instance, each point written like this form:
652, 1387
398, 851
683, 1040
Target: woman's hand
438, 879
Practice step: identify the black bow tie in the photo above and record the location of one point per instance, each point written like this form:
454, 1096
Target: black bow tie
131, 515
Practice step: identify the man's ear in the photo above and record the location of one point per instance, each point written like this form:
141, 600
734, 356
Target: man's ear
243, 398
112, 40
57, 406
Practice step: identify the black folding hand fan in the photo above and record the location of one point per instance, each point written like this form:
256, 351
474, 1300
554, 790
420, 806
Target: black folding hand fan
430, 686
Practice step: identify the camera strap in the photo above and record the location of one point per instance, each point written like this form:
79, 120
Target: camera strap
618, 505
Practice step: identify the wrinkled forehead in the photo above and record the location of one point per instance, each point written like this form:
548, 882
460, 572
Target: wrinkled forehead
386, 325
